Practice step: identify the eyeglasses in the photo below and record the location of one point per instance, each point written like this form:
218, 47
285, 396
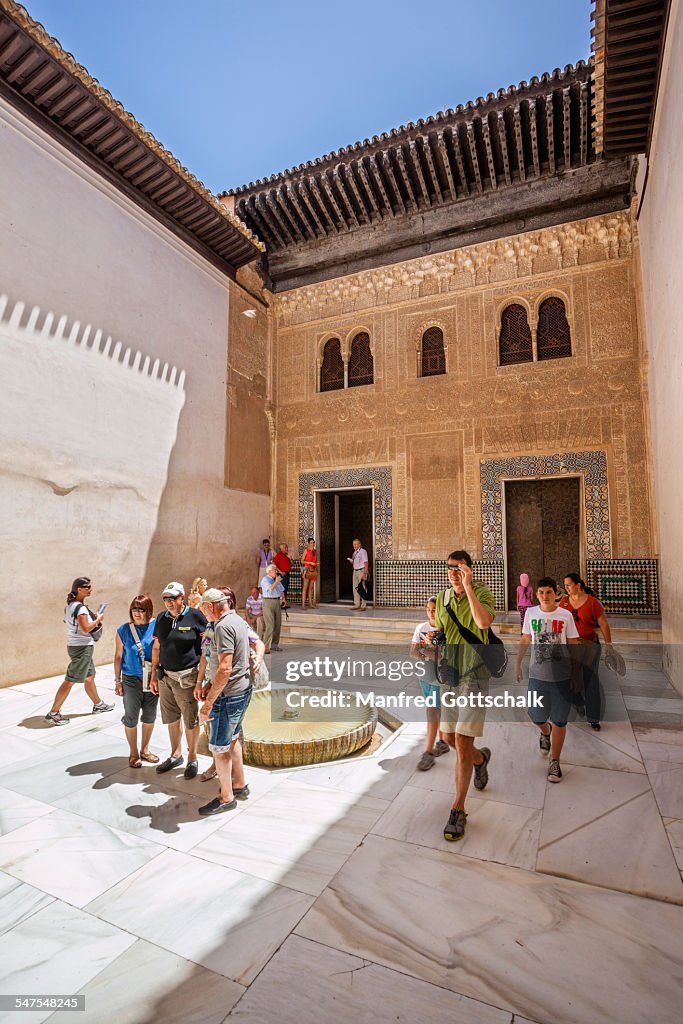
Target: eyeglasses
139, 610
88, 587
169, 597
454, 568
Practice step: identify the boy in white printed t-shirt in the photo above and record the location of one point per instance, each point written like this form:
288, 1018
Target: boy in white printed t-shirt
549, 630
422, 648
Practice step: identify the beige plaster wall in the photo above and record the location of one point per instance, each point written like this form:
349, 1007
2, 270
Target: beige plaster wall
661, 239
435, 431
137, 494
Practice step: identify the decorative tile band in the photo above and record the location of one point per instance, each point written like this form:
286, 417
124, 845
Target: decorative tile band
625, 586
405, 584
590, 465
377, 477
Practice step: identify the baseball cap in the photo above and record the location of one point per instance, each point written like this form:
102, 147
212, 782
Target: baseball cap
173, 590
213, 596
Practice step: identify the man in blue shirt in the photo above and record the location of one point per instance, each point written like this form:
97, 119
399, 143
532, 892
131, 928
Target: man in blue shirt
273, 592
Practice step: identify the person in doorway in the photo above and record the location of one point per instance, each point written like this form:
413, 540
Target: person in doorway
423, 649
253, 612
176, 652
227, 699
360, 564
264, 556
589, 616
525, 597
550, 630
309, 574
132, 660
284, 565
463, 675
81, 623
272, 590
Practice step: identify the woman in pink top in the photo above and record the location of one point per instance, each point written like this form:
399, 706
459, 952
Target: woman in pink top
525, 597
309, 574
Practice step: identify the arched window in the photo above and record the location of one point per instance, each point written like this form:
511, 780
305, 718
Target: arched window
553, 339
514, 344
360, 361
332, 368
432, 355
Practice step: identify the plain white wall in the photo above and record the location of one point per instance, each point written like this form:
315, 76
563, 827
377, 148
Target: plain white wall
660, 226
71, 244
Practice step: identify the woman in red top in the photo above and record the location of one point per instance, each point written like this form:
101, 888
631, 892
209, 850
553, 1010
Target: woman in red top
309, 573
589, 616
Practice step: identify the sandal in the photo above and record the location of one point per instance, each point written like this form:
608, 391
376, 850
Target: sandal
134, 762
146, 755
209, 774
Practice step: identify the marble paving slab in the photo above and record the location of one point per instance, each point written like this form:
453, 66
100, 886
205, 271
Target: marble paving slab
226, 921
299, 835
18, 901
548, 949
660, 744
603, 827
671, 705
17, 810
259, 780
145, 807
674, 830
654, 719
348, 990
614, 747
382, 777
71, 857
149, 985
17, 749
667, 782
504, 833
58, 950
517, 775
53, 774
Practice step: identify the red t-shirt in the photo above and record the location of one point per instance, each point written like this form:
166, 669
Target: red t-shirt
586, 617
282, 561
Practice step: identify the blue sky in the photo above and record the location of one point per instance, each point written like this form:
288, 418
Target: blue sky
238, 91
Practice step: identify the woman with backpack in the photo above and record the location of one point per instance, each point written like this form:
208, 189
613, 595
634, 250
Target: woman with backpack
132, 664
83, 627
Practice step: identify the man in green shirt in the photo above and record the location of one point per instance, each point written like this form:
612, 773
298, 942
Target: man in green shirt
464, 675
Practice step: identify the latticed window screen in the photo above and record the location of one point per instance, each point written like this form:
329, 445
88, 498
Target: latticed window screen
332, 368
554, 339
515, 336
433, 357
361, 370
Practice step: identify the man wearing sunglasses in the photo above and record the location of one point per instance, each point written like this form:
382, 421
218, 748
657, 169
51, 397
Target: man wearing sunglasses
463, 673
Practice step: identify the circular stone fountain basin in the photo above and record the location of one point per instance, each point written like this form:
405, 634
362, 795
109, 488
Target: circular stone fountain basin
277, 736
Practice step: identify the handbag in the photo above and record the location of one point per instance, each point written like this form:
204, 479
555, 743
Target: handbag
146, 665
492, 654
96, 633
260, 680
364, 590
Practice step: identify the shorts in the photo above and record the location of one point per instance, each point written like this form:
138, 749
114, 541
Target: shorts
178, 701
81, 666
226, 720
137, 701
429, 689
557, 701
468, 720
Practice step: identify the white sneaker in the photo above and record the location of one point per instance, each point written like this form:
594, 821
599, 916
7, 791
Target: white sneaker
54, 718
98, 709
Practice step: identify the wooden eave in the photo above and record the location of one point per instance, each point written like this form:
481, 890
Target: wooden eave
47, 85
628, 43
520, 159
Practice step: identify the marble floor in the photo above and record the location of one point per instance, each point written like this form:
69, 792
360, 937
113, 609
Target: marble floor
330, 894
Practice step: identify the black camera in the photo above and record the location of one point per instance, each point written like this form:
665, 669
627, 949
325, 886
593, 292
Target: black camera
437, 638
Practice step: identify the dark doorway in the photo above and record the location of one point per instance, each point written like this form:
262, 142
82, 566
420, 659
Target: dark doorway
341, 517
542, 520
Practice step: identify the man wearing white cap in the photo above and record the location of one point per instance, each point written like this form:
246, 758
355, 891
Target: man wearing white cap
177, 650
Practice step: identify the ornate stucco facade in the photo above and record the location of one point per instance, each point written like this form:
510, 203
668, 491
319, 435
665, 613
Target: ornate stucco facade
448, 440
